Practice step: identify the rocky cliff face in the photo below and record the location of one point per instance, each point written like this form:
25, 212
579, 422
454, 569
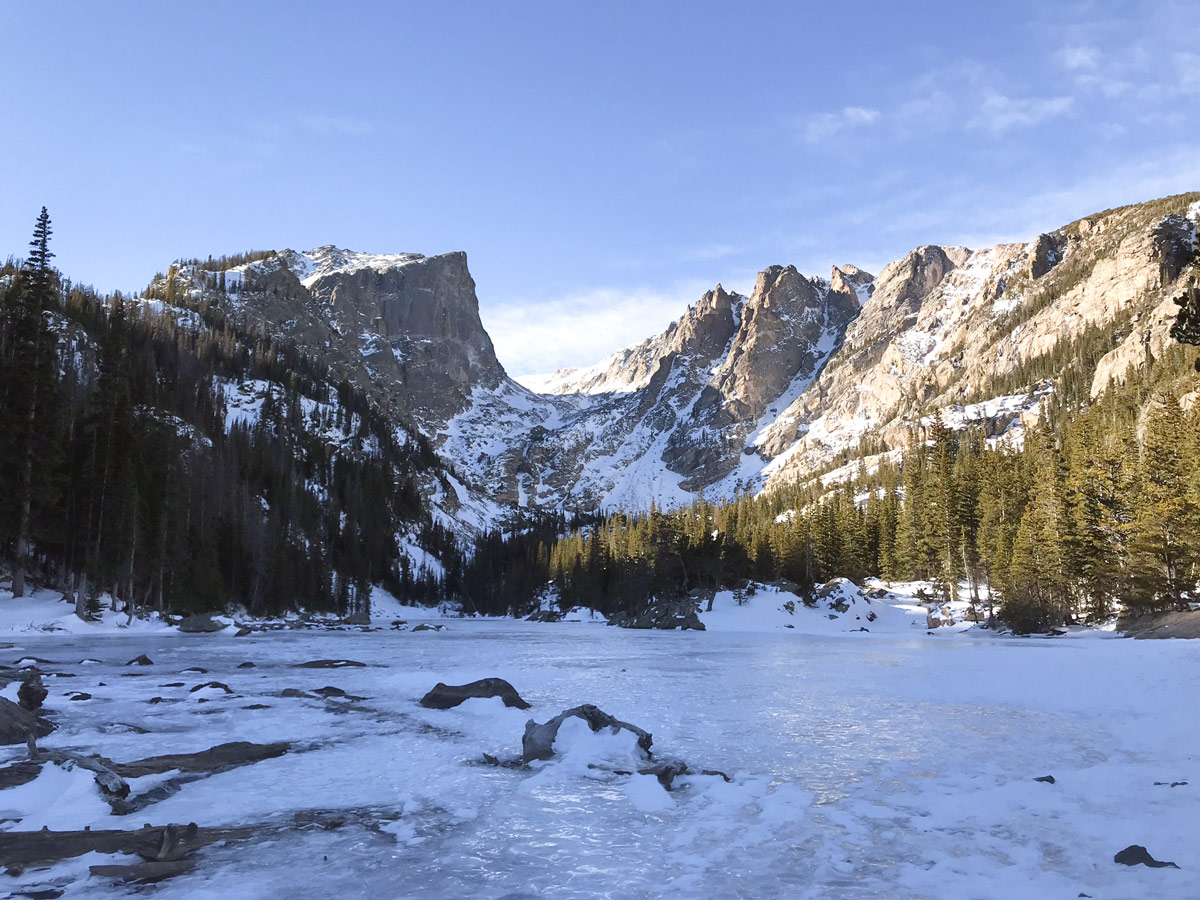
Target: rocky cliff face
946, 325
405, 325
740, 392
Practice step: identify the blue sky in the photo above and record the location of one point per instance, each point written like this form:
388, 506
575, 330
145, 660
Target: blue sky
601, 163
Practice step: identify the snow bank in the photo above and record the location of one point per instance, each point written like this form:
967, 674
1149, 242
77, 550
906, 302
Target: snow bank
841, 606
45, 611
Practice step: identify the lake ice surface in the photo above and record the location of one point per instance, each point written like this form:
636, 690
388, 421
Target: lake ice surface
864, 766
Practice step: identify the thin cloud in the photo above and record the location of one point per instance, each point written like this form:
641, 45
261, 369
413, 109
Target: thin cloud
1187, 66
533, 337
826, 125
999, 113
1079, 57
710, 252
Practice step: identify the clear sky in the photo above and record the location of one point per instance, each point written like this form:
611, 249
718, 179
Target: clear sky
602, 163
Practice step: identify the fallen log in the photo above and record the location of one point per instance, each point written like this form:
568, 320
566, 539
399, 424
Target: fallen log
222, 756
151, 843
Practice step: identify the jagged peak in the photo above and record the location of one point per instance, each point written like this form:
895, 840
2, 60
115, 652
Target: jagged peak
853, 272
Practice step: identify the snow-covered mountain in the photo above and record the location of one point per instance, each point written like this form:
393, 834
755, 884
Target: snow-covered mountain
740, 393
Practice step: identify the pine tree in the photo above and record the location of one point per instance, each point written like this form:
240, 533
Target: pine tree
1164, 526
31, 384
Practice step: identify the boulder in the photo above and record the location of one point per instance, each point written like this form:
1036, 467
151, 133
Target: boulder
666, 615
425, 626
17, 723
142, 660
1137, 855
329, 664
538, 740
1179, 624
202, 623
447, 696
362, 617
32, 692
246, 665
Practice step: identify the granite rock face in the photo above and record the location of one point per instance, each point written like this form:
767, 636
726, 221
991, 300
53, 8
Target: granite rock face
741, 392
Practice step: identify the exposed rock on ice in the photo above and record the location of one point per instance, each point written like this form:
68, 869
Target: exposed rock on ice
447, 696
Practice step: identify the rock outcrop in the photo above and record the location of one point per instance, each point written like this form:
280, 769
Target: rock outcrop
448, 696
18, 724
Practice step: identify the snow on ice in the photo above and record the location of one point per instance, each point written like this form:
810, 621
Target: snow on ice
881, 764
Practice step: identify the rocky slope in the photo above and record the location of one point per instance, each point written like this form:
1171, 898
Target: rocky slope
739, 393
946, 325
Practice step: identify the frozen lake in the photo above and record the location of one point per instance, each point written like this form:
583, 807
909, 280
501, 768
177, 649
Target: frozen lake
864, 766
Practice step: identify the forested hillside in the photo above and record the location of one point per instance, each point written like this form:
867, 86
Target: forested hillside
1095, 506
131, 467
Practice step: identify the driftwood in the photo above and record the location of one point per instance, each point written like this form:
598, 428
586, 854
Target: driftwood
148, 872
110, 776
25, 848
538, 740
163, 844
538, 743
666, 771
112, 785
220, 757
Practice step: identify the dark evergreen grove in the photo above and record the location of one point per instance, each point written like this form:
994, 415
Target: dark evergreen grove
119, 472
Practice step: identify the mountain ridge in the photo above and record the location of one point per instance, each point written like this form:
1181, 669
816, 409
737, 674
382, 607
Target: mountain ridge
741, 392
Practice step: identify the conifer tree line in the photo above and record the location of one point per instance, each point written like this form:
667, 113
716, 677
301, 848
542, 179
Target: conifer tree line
121, 472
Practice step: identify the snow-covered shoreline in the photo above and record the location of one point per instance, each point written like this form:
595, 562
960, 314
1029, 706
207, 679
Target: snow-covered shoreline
841, 607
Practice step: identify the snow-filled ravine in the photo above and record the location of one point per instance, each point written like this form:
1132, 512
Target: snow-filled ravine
862, 765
